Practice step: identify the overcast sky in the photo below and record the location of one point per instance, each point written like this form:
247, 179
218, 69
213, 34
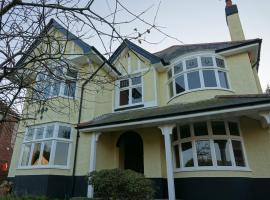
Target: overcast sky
200, 21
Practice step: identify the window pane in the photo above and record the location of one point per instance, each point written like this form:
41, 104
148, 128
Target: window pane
192, 63
45, 158
200, 128
70, 87
36, 153
220, 62
178, 68
179, 84
61, 153
207, 61
193, 80
136, 95
64, 132
204, 153
184, 131
56, 88
209, 78
234, 129
49, 131
124, 83
171, 89
26, 154
124, 96
222, 153
176, 156
39, 133
47, 88
223, 79
174, 133
238, 153
136, 80
218, 128
187, 154
72, 73
169, 73
30, 134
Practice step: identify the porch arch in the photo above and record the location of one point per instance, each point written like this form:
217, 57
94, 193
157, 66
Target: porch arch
131, 152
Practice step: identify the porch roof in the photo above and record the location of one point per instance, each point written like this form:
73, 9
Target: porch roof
220, 104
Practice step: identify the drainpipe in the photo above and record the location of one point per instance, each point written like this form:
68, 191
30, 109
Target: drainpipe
79, 121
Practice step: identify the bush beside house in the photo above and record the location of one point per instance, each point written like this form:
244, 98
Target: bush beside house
121, 185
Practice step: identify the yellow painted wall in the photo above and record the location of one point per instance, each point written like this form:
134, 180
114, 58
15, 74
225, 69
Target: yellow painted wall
235, 27
240, 76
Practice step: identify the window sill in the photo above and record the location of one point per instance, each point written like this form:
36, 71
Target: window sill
194, 169
200, 89
43, 167
129, 107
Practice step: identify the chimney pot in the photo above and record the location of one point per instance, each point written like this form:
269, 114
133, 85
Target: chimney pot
229, 3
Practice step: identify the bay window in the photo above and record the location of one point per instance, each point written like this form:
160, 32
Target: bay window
61, 82
208, 145
197, 73
46, 146
130, 92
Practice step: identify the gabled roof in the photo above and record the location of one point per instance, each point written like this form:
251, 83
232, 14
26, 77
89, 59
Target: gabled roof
178, 50
70, 37
130, 45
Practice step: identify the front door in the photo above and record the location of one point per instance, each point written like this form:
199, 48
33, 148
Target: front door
131, 151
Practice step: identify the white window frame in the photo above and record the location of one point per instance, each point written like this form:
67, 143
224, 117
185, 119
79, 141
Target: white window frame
130, 87
54, 139
199, 69
62, 85
210, 137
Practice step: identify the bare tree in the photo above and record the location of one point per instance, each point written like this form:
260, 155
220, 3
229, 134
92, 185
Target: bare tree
31, 52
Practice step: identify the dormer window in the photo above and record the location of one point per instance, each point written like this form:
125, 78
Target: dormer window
130, 92
197, 73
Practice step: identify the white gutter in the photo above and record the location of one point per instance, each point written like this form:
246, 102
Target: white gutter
165, 120
237, 50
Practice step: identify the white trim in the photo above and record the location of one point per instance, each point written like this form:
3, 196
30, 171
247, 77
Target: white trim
92, 161
265, 119
237, 50
175, 118
54, 139
166, 131
210, 137
129, 88
200, 68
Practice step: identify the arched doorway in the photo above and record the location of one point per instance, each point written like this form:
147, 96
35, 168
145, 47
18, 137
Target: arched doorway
130, 146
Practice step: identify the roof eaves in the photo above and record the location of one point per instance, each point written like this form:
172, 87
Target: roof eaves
126, 43
106, 61
224, 107
70, 36
245, 43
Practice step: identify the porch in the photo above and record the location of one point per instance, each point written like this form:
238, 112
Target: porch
155, 146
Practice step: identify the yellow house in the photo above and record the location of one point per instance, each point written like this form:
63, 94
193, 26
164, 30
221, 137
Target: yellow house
192, 118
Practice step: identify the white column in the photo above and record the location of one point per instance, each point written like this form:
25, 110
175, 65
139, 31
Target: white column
92, 162
166, 132
265, 119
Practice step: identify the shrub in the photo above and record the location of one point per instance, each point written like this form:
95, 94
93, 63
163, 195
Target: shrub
121, 185
27, 197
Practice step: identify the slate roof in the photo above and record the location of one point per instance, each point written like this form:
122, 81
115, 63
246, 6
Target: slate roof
130, 45
178, 50
70, 37
217, 103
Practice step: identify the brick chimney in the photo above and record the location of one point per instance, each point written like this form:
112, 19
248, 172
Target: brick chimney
233, 21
